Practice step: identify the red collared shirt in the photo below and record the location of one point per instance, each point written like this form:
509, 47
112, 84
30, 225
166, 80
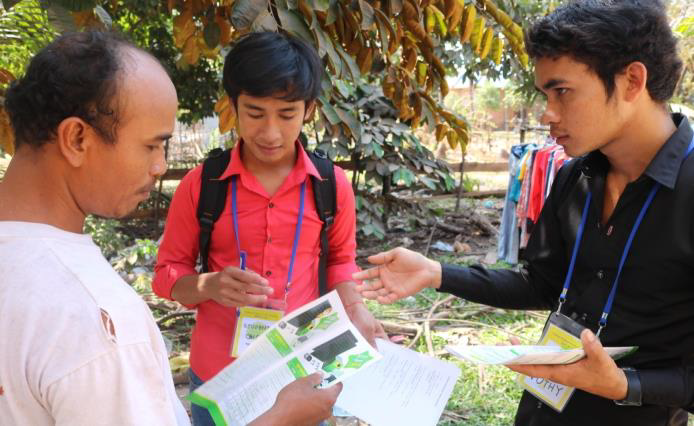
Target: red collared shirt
266, 233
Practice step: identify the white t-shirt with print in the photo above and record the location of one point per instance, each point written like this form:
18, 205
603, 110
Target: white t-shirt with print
59, 365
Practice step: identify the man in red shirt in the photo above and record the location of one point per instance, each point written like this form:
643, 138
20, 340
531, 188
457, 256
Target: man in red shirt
272, 80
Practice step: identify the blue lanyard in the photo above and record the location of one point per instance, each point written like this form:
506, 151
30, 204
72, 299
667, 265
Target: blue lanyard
579, 235
297, 233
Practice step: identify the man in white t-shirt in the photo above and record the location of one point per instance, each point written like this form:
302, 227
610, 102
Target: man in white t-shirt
77, 344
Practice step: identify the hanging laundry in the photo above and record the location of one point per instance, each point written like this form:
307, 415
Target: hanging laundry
532, 169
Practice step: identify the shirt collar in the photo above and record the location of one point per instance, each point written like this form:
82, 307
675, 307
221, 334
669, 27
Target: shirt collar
302, 167
665, 166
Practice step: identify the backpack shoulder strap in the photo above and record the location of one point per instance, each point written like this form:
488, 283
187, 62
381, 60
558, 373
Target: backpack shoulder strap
213, 194
325, 196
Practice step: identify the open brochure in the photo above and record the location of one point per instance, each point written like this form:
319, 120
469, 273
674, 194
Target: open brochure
519, 354
316, 337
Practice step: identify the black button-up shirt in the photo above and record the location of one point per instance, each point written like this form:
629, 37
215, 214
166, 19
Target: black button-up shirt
654, 304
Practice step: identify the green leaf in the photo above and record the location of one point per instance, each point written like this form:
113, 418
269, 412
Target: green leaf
441, 24
378, 150
295, 25
429, 182
211, 34
404, 175
75, 5
245, 12
351, 121
326, 85
325, 45
362, 202
329, 111
382, 30
686, 27
367, 229
428, 114
351, 63
367, 15
343, 89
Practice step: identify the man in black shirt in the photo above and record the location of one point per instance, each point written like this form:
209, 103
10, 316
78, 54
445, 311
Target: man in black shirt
623, 209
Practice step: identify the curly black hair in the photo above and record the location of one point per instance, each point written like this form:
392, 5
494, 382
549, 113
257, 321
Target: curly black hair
269, 64
76, 75
608, 35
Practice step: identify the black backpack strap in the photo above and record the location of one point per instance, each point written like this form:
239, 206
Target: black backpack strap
213, 194
325, 195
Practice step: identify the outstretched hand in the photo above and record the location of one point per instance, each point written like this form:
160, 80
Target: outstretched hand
597, 373
398, 273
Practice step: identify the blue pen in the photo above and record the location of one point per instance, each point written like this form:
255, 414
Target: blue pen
242, 260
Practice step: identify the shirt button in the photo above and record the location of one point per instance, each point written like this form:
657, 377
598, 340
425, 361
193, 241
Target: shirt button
269, 240
268, 273
601, 274
271, 205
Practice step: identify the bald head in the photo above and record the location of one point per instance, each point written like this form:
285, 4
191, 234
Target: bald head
142, 84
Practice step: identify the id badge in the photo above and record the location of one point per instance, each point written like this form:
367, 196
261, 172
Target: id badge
564, 332
251, 322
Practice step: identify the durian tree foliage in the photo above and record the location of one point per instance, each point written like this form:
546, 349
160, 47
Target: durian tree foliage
396, 44
386, 62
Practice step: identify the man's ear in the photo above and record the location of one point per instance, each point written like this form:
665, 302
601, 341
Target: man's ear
73, 137
310, 108
633, 80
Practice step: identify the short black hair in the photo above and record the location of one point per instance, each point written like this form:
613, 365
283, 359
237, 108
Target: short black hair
272, 64
76, 75
608, 35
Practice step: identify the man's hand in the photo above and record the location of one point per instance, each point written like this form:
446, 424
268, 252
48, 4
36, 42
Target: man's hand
366, 323
358, 313
301, 404
234, 287
399, 273
597, 373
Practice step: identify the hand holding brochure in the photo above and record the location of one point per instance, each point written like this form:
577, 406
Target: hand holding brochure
316, 337
518, 354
